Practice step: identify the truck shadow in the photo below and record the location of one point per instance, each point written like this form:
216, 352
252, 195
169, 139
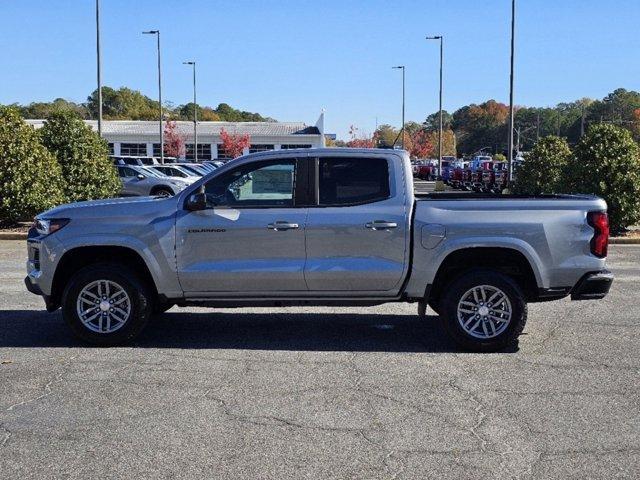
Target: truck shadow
247, 331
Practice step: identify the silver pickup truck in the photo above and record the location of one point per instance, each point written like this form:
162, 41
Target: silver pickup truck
318, 227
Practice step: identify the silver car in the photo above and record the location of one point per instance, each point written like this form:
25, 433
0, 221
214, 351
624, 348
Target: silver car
177, 172
144, 181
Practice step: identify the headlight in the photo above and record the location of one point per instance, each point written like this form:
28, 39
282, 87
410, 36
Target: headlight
47, 226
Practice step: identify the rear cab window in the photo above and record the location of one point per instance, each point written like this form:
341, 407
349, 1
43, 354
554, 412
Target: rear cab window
344, 181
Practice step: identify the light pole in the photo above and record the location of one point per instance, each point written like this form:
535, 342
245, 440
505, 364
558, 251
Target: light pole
511, 119
99, 74
195, 111
440, 37
402, 129
157, 34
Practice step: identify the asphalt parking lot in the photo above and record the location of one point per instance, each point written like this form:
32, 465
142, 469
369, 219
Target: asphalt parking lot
321, 393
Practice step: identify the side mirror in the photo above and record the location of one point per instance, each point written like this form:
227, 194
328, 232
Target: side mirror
140, 176
197, 201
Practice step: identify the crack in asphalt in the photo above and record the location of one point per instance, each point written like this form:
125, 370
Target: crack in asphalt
479, 410
7, 435
47, 387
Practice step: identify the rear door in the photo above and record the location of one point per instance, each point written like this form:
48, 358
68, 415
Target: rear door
250, 240
357, 232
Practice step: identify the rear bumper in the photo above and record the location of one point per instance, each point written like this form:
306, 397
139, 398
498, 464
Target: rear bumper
593, 286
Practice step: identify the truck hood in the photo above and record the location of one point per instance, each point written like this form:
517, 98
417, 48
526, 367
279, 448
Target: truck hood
113, 206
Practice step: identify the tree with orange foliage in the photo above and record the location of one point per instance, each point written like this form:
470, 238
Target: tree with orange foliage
362, 142
419, 144
234, 144
173, 140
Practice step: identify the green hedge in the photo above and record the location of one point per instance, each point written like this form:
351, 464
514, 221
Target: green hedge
607, 163
82, 155
30, 176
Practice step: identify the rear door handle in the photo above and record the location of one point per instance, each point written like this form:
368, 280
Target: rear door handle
280, 225
381, 225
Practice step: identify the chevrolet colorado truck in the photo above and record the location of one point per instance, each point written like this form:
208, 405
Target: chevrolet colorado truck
318, 227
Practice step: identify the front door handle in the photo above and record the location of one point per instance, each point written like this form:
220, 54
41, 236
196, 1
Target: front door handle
280, 225
380, 225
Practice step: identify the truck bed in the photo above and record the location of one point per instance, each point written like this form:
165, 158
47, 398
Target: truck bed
497, 196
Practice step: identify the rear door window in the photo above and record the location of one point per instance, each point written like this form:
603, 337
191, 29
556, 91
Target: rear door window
352, 181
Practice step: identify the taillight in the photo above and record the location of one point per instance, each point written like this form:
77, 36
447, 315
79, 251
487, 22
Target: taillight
600, 241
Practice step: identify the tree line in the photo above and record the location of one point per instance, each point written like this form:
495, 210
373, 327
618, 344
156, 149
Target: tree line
127, 104
484, 126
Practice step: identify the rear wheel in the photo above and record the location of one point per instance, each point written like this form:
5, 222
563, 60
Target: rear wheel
106, 304
484, 311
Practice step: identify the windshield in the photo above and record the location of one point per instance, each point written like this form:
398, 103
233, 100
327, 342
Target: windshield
185, 171
193, 169
150, 172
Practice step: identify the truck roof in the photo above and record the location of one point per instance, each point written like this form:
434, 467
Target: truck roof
325, 152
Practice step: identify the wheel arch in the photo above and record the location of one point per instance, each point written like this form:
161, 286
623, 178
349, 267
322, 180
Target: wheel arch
156, 188
79, 257
507, 260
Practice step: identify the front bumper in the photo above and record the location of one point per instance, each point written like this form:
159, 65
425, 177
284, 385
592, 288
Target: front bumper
36, 290
592, 286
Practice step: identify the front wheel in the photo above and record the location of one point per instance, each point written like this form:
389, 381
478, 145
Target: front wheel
484, 311
106, 304
163, 192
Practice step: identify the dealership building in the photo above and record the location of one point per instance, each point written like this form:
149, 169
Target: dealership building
142, 138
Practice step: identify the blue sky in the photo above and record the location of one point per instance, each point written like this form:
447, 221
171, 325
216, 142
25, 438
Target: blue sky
289, 59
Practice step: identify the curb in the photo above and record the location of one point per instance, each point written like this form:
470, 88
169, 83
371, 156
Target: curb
624, 241
13, 236
612, 241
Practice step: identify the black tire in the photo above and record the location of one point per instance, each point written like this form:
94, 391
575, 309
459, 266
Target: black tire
435, 306
140, 296
163, 192
455, 292
160, 307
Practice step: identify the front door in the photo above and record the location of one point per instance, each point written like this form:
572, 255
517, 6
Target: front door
129, 178
357, 235
250, 239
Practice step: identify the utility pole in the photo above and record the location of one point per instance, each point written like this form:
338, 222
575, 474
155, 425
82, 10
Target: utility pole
195, 112
511, 111
157, 34
402, 129
441, 38
537, 125
99, 66
582, 121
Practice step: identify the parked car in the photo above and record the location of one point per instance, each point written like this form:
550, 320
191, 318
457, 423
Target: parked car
426, 170
142, 161
137, 180
340, 227
177, 172
456, 176
215, 163
197, 168
447, 167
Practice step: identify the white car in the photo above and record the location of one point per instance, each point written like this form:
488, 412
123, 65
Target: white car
176, 171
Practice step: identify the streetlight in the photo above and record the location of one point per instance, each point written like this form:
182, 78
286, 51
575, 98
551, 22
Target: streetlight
439, 37
157, 34
98, 62
195, 111
402, 129
511, 119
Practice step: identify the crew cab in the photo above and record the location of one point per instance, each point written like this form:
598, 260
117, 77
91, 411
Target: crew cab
318, 227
